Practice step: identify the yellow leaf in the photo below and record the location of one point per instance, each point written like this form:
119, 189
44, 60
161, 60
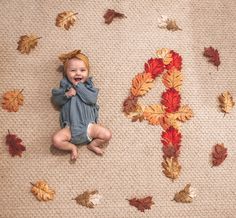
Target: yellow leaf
171, 25
186, 195
169, 120
165, 55
12, 100
226, 102
171, 168
141, 84
88, 198
42, 191
154, 113
173, 79
184, 113
66, 19
26, 43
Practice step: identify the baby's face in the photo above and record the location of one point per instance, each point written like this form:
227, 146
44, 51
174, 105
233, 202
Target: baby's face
76, 71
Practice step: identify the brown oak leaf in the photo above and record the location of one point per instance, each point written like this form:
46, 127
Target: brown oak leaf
142, 203
171, 168
172, 25
111, 14
130, 104
137, 115
42, 191
212, 55
66, 19
186, 195
219, 154
88, 199
27, 42
15, 144
12, 100
226, 102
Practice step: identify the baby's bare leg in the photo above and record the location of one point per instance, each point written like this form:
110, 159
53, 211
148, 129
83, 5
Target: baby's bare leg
61, 140
100, 136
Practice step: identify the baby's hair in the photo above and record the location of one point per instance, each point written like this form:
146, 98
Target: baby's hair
74, 54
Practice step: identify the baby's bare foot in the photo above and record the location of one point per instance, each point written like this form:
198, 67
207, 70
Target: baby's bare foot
96, 150
74, 154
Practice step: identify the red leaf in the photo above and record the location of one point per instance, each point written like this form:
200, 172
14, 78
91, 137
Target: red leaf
15, 144
212, 55
111, 14
154, 66
171, 100
176, 61
171, 140
142, 203
130, 104
219, 154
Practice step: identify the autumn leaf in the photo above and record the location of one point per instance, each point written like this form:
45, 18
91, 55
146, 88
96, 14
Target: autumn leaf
153, 113
165, 55
171, 168
173, 79
155, 67
42, 191
184, 113
141, 84
130, 104
166, 23
169, 120
171, 137
137, 115
66, 19
142, 204
171, 100
88, 199
176, 61
212, 55
27, 42
219, 154
186, 195
12, 100
111, 14
15, 144
226, 102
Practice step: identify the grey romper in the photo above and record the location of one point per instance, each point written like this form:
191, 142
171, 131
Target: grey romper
79, 110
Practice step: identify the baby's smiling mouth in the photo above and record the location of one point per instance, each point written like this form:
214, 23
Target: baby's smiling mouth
78, 79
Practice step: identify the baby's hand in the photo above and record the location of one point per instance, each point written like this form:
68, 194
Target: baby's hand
71, 92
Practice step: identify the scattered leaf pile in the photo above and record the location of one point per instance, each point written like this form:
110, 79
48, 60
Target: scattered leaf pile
169, 113
89, 199
186, 195
12, 100
141, 204
219, 154
42, 191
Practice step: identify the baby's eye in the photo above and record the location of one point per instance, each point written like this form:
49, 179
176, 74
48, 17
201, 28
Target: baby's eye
73, 70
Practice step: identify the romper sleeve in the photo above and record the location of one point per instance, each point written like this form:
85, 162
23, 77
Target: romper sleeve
87, 92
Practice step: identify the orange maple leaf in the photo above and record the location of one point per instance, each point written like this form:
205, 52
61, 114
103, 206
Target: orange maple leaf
12, 100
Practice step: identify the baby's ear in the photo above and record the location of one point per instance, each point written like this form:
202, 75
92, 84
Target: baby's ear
60, 69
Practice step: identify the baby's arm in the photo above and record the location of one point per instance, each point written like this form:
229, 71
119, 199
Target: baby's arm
59, 96
87, 94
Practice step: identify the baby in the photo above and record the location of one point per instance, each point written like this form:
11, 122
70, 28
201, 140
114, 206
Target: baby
77, 99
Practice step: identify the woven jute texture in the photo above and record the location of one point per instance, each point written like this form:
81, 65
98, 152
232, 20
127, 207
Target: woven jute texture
131, 166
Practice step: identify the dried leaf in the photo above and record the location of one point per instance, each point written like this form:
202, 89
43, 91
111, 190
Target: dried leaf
111, 14
165, 55
89, 199
154, 113
170, 120
212, 55
137, 115
184, 113
12, 100
173, 79
130, 104
141, 84
142, 203
219, 154
171, 100
27, 42
162, 21
155, 67
186, 195
171, 137
66, 19
15, 144
171, 25
226, 102
171, 168
176, 61
42, 191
